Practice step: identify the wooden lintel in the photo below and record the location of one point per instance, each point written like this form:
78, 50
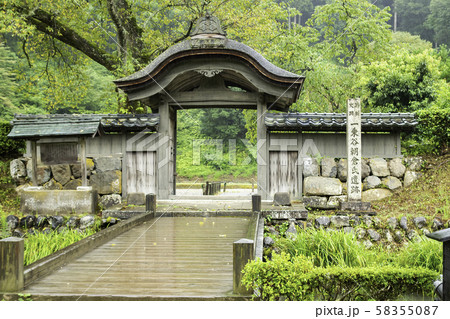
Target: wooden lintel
213, 98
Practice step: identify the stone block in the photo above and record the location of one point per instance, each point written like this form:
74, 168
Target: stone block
355, 206
375, 194
281, 199
392, 222
73, 184
335, 201
374, 235
107, 163
342, 170
392, 183
61, 173
396, 167
365, 168
371, 182
404, 223
420, 222
329, 167
315, 202
379, 167
17, 170
340, 221
136, 199
108, 201
43, 173
109, 182
322, 221
49, 202
52, 185
76, 170
315, 185
310, 167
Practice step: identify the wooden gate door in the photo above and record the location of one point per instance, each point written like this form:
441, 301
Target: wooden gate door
283, 173
141, 172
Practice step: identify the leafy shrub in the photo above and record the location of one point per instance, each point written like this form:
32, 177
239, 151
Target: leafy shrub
9, 148
283, 278
434, 127
326, 248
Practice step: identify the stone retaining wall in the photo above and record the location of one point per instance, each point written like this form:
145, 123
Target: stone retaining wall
324, 181
104, 174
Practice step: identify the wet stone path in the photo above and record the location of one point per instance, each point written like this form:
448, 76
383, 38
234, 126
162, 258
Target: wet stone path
170, 256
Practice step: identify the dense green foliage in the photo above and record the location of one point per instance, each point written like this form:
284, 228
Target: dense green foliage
289, 278
434, 130
9, 148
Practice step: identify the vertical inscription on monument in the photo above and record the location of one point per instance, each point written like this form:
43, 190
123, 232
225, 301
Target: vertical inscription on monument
354, 149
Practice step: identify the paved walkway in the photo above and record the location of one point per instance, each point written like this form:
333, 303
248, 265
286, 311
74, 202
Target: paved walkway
166, 257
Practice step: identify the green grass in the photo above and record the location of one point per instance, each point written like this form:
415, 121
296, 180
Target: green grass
41, 245
337, 248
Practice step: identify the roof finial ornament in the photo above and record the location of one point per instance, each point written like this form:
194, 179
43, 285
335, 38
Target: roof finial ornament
208, 24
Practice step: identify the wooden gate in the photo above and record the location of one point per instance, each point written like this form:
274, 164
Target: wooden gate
141, 172
283, 173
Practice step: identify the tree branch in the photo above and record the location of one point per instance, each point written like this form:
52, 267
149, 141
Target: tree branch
48, 24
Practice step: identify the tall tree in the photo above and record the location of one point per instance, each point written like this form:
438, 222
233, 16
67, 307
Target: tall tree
439, 21
412, 15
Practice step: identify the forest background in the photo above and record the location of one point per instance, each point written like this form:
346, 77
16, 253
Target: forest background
61, 57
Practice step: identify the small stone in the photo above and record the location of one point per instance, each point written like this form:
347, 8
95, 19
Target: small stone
52, 185
396, 167
310, 167
361, 233
335, 201
371, 182
376, 222
322, 221
392, 223
17, 233
76, 170
108, 201
437, 224
379, 167
411, 234
32, 232
73, 184
348, 230
365, 168
329, 167
309, 225
392, 183
281, 199
367, 220
87, 221
12, 222
410, 178
291, 232
368, 244
268, 241
342, 170
398, 236
404, 223
17, 170
425, 231
73, 222
61, 230
388, 236
374, 235
61, 173
375, 194
355, 220
340, 221
27, 221
273, 231
56, 221
42, 221
420, 222
315, 202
